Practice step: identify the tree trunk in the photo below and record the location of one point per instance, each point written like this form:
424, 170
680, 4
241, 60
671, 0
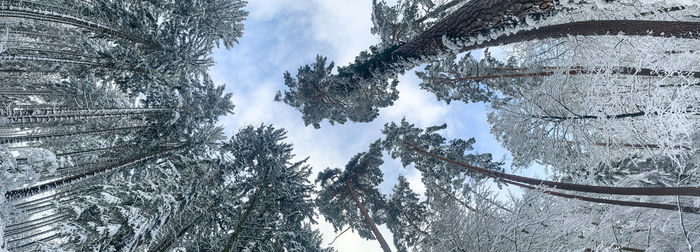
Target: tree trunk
239, 227
648, 191
25, 192
32, 116
30, 239
368, 219
95, 150
17, 231
474, 16
578, 70
636, 146
38, 137
38, 15
685, 209
480, 16
50, 110
23, 224
58, 195
666, 29
28, 93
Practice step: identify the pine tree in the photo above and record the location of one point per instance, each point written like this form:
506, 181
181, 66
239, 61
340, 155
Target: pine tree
406, 216
475, 25
347, 196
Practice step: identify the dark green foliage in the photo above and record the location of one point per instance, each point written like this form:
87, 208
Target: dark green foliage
469, 80
262, 163
336, 204
359, 90
319, 94
406, 216
400, 139
370, 64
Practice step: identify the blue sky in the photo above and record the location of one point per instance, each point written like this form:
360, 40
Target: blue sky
281, 35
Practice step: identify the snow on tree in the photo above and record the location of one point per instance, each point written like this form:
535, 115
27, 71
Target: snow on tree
554, 220
406, 216
278, 194
99, 95
107, 136
475, 25
577, 124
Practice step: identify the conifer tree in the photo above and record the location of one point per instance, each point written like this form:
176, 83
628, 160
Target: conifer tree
475, 25
351, 197
278, 192
406, 216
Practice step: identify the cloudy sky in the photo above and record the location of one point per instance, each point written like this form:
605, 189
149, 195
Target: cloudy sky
281, 35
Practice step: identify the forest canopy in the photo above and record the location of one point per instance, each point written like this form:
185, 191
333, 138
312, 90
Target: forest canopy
116, 130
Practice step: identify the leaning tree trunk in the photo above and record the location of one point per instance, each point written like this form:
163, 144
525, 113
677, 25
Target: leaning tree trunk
666, 29
635, 146
647, 191
368, 219
239, 227
49, 115
25, 192
685, 209
480, 17
40, 137
575, 70
39, 15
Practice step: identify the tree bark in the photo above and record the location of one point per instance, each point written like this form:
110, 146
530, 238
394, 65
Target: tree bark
648, 191
20, 225
637, 146
368, 219
17, 231
480, 16
50, 117
473, 17
666, 29
25, 192
578, 70
26, 13
239, 227
685, 209
38, 137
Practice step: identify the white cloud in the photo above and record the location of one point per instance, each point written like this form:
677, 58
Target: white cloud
414, 180
418, 106
265, 9
345, 25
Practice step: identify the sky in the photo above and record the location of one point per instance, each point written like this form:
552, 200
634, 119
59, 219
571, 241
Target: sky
281, 35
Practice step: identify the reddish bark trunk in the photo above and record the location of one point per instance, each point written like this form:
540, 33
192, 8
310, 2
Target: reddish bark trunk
665, 191
694, 210
368, 219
